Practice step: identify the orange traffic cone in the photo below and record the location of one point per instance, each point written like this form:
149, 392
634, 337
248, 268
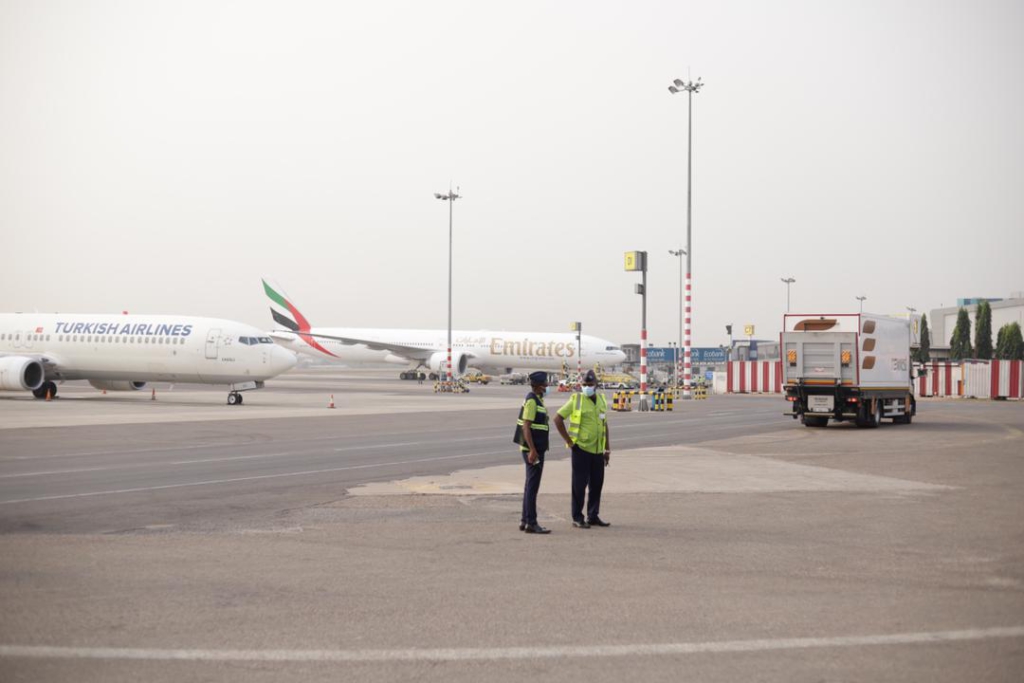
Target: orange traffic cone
152, 396
49, 394
330, 404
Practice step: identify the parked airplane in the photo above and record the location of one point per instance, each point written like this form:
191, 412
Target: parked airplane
123, 352
482, 349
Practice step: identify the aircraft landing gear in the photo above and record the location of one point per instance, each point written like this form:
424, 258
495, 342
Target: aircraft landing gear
46, 388
234, 399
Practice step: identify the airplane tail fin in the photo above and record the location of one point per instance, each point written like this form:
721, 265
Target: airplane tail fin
284, 312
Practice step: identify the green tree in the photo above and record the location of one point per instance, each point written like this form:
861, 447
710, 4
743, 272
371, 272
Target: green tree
1010, 344
960, 342
924, 353
983, 331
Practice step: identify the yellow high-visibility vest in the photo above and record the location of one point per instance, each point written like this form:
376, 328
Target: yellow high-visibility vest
577, 416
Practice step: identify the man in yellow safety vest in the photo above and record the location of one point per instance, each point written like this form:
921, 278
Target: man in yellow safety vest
590, 441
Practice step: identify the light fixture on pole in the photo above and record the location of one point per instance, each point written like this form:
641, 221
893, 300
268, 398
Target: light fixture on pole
450, 198
861, 300
679, 365
788, 281
689, 87
912, 310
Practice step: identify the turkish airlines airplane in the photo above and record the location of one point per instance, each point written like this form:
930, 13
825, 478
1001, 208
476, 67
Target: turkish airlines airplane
123, 352
481, 349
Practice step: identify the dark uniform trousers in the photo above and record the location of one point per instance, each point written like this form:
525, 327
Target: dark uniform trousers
587, 470
533, 475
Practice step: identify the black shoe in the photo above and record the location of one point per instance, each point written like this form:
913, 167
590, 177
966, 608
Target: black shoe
536, 529
522, 526
597, 521
580, 524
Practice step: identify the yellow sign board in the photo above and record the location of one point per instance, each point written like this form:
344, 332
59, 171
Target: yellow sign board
636, 260
748, 330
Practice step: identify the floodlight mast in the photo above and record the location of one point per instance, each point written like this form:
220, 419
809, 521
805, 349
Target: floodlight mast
788, 281
689, 87
450, 198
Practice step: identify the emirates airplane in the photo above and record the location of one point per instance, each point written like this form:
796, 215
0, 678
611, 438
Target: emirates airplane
123, 352
481, 349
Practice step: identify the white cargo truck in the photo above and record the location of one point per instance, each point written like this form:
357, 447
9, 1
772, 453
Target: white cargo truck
847, 367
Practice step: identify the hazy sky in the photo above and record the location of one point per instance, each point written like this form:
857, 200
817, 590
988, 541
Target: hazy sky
161, 157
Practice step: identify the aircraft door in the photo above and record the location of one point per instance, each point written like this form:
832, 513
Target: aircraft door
212, 342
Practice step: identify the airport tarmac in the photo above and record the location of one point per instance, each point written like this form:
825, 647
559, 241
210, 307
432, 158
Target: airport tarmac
184, 539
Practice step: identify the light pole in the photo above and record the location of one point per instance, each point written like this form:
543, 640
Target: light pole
788, 281
637, 261
861, 300
689, 87
450, 198
679, 366
912, 310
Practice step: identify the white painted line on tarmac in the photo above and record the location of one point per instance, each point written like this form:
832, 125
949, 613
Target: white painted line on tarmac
255, 456
162, 449
505, 653
211, 482
231, 458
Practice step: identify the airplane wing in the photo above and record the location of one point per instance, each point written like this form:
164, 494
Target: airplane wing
410, 352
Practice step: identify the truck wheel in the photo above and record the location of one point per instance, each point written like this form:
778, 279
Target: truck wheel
867, 419
815, 421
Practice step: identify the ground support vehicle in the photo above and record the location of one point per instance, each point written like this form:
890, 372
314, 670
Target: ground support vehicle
847, 367
477, 378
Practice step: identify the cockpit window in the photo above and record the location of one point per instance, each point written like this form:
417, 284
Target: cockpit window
611, 348
248, 341
266, 340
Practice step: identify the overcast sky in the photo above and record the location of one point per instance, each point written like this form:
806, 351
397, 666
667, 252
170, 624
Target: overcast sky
160, 157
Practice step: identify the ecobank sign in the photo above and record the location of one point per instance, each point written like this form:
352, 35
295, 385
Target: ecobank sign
698, 355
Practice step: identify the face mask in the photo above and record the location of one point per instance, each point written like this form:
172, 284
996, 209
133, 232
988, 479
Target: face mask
589, 391
544, 391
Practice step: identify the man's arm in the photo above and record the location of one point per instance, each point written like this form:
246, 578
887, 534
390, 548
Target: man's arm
607, 444
560, 424
533, 457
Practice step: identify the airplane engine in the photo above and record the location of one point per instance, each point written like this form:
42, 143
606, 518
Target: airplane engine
21, 373
439, 362
109, 385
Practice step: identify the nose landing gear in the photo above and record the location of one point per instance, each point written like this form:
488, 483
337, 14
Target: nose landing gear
234, 399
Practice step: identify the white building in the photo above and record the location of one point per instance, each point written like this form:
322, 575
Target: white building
941, 321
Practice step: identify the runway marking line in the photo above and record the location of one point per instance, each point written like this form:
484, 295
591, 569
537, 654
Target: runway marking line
255, 456
253, 478
506, 653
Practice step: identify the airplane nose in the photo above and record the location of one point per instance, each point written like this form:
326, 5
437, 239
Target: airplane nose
281, 360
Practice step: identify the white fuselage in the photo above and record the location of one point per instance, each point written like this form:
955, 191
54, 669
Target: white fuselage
143, 348
481, 348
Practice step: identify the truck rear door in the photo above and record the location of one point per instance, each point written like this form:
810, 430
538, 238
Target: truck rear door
826, 358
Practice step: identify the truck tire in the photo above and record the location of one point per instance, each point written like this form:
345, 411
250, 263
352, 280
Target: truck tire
867, 418
815, 421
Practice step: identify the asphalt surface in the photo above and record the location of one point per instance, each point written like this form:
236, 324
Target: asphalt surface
233, 546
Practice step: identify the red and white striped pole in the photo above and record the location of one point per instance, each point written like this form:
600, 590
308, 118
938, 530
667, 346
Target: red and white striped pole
643, 333
687, 365
449, 364
579, 354
643, 364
